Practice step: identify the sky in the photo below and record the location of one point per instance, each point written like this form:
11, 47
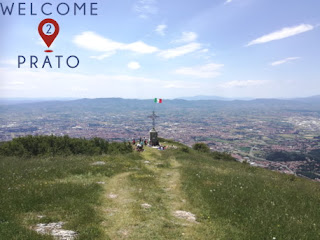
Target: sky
166, 49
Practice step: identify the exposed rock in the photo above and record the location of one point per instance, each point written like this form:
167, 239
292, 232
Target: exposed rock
101, 183
98, 163
147, 162
185, 215
146, 205
112, 196
124, 233
134, 168
55, 230
63, 234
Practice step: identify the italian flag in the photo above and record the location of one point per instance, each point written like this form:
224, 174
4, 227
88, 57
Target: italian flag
158, 100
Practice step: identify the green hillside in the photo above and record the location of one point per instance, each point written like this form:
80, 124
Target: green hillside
180, 193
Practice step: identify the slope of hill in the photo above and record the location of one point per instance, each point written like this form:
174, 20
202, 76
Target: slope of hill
174, 194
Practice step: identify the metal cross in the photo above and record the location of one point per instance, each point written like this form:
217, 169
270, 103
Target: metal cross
153, 117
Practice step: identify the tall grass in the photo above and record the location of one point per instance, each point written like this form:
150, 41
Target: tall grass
249, 202
59, 188
231, 200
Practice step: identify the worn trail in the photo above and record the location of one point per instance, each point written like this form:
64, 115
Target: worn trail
148, 203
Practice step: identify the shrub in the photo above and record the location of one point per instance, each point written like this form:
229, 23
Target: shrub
222, 156
201, 147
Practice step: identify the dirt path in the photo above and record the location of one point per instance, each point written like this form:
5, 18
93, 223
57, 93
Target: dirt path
149, 203
118, 202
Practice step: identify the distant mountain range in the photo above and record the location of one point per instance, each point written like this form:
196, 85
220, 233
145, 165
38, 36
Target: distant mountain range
203, 102
10, 101
197, 98
217, 98
119, 105
308, 99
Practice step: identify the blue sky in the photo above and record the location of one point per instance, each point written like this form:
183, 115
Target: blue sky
168, 49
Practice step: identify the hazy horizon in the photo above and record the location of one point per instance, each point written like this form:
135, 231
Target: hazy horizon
218, 98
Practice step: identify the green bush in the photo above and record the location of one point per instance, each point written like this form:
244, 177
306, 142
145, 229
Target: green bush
222, 156
201, 147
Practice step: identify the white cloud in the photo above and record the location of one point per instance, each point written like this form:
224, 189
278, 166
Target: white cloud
283, 33
210, 70
161, 29
134, 65
16, 83
187, 37
276, 63
12, 86
145, 8
9, 62
42, 43
103, 56
140, 47
181, 85
77, 89
228, 1
247, 83
43, 83
204, 50
95, 42
180, 51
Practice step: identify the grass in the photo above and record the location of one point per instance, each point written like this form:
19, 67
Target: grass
129, 220
61, 189
251, 203
230, 200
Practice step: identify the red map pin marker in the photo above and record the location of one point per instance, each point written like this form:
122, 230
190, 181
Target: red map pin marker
48, 34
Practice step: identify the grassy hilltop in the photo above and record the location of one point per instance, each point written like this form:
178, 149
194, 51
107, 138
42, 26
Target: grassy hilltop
110, 192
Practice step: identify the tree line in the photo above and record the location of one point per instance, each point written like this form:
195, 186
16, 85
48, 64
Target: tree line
64, 145
282, 156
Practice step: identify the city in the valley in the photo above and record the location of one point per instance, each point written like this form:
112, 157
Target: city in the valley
281, 135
